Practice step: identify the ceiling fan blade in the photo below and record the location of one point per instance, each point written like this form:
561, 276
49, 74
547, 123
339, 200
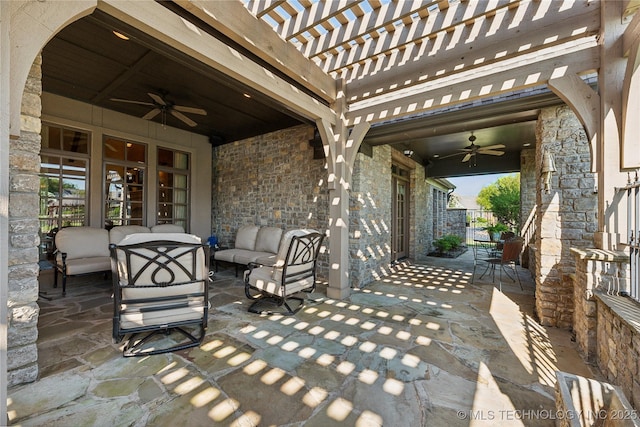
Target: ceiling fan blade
191, 110
157, 98
491, 152
151, 114
492, 147
184, 118
447, 156
467, 157
131, 102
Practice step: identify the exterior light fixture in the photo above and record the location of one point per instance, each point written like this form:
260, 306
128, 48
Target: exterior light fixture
408, 153
120, 35
548, 168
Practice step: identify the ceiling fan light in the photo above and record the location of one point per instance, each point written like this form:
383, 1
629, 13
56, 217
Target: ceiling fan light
120, 35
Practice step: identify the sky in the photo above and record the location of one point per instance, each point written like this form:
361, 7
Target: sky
471, 185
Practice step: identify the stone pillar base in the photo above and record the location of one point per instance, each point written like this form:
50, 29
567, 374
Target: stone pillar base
337, 293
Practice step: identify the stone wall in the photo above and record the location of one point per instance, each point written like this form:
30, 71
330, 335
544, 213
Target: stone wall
370, 217
618, 344
457, 223
528, 178
596, 270
565, 217
24, 185
272, 180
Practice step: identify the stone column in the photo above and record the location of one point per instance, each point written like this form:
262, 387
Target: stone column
565, 217
24, 186
595, 268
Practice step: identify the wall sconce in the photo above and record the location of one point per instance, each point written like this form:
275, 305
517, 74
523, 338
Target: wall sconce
548, 168
408, 153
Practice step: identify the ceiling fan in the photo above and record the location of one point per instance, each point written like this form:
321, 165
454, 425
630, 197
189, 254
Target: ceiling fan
471, 151
160, 104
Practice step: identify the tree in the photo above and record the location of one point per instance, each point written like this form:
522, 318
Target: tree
503, 199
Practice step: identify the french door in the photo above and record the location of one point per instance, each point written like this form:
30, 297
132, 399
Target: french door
399, 213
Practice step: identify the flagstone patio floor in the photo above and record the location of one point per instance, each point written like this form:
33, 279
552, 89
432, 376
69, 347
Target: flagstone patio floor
421, 346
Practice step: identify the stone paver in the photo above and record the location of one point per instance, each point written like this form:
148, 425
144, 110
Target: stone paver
422, 347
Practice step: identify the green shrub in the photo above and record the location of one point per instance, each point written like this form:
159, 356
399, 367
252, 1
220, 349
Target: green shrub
448, 242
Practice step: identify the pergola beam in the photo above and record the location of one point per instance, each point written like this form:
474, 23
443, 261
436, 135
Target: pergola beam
480, 83
364, 27
452, 53
234, 21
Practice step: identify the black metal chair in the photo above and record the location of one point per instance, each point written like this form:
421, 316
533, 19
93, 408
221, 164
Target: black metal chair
160, 286
294, 272
509, 257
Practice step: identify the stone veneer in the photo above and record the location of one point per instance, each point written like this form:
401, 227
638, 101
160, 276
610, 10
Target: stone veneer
528, 180
606, 324
271, 180
24, 186
370, 217
457, 223
596, 270
253, 176
565, 217
618, 344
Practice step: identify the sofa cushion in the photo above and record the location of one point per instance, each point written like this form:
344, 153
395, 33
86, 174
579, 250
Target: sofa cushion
246, 237
167, 228
88, 265
268, 239
263, 278
268, 260
244, 257
284, 249
225, 255
116, 234
147, 276
82, 242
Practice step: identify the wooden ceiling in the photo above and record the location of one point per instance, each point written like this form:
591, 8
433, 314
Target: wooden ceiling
87, 62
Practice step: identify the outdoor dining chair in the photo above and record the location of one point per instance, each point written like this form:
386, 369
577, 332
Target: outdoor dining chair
507, 258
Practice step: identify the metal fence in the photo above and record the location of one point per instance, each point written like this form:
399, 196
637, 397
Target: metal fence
633, 225
477, 220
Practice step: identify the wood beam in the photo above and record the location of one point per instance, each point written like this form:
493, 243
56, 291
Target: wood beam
583, 100
420, 31
631, 34
452, 53
315, 15
630, 107
234, 21
480, 83
369, 23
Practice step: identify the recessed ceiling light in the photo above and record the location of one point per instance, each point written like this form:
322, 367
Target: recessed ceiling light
436, 155
120, 35
526, 144
246, 95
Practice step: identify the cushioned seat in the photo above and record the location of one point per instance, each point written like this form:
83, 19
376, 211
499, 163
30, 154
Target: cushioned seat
294, 271
81, 250
117, 233
253, 244
160, 285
